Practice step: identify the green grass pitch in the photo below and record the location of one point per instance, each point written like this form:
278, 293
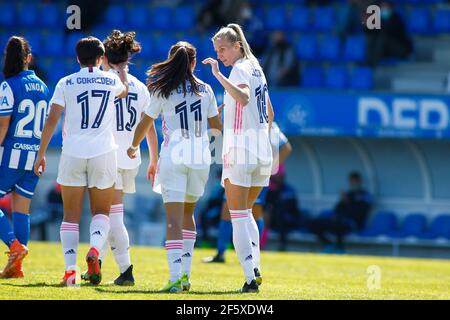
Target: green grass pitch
286, 276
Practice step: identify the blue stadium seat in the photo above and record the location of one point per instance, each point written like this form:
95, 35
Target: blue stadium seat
439, 228
51, 15
161, 18
330, 48
324, 19
383, 223
327, 213
299, 19
53, 44
8, 14
441, 21
148, 47
307, 48
361, 78
336, 78
355, 49
413, 225
34, 39
274, 18
71, 41
163, 44
138, 16
206, 48
28, 16
184, 18
312, 77
115, 16
419, 20
56, 70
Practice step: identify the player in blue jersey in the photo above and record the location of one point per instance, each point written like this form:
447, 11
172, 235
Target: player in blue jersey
225, 228
23, 108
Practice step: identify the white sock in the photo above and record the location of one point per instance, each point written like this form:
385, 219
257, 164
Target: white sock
104, 250
70, 236
121, 242
188, 249
99, 231
174, 251
242, 242
254, 236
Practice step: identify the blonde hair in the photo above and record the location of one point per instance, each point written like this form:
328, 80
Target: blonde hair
233, 33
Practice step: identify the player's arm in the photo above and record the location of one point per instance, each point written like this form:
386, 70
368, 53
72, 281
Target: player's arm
47, 134
285, 151
271, 114
240, 93
215, 123
122, 70
152, 142
141, 130
4, 126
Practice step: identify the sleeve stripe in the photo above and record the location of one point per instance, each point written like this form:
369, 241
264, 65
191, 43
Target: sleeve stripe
6, 110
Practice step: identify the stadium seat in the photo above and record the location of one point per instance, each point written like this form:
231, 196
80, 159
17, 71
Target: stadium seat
53, 44
355, 49
161, 18
138, 16
419, 20
8, 14
274, 18
307, 48
441, 21
383, 223
312, 77
28, 16
51, 15
163, 44
148, 47
299, 19
71, 41
184, 18
324, 19
439, 228
115, 16
56, 70
362, 78
413, 225
336, 78
330, 48
34, 39
327, 213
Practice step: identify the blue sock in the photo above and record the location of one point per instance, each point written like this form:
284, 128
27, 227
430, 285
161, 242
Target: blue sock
21, 223
6, 233
260, 224
225, 233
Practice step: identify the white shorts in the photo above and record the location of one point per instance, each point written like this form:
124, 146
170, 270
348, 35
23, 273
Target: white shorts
178, 182
126, 180
98, 172
251, 173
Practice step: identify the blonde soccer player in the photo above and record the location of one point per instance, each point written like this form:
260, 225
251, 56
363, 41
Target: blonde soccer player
119, 48
247, 152
187, 106
88, 158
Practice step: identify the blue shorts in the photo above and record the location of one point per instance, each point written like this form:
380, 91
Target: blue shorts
22, 182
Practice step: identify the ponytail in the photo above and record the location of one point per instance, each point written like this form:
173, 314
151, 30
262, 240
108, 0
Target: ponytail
16, 52
166, 76
233, 33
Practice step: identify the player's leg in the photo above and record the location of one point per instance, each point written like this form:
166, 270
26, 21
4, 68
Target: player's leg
101, 176
189, 237
69, 231
253, 194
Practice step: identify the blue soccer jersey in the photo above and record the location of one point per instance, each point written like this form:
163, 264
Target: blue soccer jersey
25, 98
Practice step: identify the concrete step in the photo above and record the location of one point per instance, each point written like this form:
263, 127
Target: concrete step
422, 85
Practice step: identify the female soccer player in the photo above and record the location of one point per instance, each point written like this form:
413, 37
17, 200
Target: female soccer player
185, 103
23, 106
88, 156
119, 47
247, 153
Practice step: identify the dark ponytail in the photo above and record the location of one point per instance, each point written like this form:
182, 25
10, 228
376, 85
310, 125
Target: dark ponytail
166, 76
16, 52
119, 47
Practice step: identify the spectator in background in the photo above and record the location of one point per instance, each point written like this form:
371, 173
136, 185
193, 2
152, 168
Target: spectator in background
391, 41
54, 203
280, 62
217, 13
210, 214
350, 214
351, 17
254, 27
282, 207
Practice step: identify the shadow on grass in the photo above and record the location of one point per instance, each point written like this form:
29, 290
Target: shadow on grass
158, 292
43, 284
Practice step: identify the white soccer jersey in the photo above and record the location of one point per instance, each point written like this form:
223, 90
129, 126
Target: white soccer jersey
247, 126
128, 114
184, 124
88, 99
